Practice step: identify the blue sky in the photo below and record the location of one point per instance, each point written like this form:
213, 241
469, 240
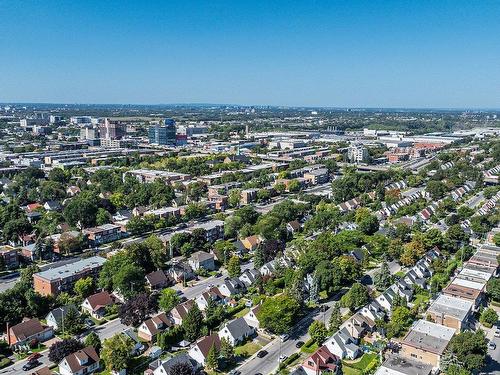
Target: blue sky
425, 53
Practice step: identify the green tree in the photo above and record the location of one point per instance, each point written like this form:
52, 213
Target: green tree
157, 251
81, 210
493, 288
470, 349
212, 361
488, 317
401, 319
168, 300
233, 267
383, 279
84, 287
103, 216
356, 297
193, 323
93, 340
226, 350
318, 332
335, 319
117, 352
279, 313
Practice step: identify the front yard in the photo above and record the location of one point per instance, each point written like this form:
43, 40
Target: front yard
363, 365
247, 350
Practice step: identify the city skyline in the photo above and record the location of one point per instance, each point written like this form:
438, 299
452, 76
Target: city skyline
336, 55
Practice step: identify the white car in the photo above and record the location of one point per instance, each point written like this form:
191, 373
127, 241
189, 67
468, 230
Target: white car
282, 358
492, 345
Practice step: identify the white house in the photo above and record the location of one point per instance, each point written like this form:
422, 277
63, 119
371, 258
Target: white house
84, 361
251, 317
199, 351
343, 345
236, 331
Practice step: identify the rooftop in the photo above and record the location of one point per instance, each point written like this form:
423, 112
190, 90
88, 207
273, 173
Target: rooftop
451, 306
429, 336
396, 365
69, 270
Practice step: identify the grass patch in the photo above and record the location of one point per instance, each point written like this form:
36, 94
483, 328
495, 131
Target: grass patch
247, 350
400, 274
240, 314
309, 347
421, 298
363, 365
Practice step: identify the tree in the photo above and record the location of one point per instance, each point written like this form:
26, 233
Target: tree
258, 258
181, 368
212, 361
412, 251
137, 309
493, 288
488, 317
369, 224
223, 250
73, 322
192, 323
117, 352
318, 332
279, 313
328, 276
401, 319
436, 189
102, 216
335, 319
157, 251
470, 349
81, 210
168, 300
233, 267
62, 348
129, 280
226, 350
84, 287
93, 340
356, 297
383, 279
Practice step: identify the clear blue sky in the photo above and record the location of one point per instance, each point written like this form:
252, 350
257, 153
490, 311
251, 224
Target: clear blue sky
420, 53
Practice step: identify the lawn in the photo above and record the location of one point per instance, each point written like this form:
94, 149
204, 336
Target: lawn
247, 350
421, 298
309, 347
401, 274
357, 367
241, 313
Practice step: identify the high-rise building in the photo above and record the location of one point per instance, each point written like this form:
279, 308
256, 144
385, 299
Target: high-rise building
111, 129
163, 133
357, 153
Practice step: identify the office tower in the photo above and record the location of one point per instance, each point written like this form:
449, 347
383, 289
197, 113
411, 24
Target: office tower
163, 133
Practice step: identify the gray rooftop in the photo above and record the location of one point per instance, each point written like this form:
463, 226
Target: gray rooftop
429, 336
457, 308
71, 269
398, 364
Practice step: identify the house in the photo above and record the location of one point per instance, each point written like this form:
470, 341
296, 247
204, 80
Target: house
84, 361
199, 351
52, 206
202, 259
426, 342
251, 242
293, 226
358, 325
10, 256
236, 331
103, 234
150, 328
27, 331
450, 311
32, 207
232, 286
251, 317
211, 294
180, 311
270, 267
96, 304
73, 190
55, 318
165, 367
322, 361
343, 345
138, 347
180, 272
249, 277
398, 365
158, 280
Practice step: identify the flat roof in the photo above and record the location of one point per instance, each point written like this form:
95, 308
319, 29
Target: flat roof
451, 306
429, 336
396, 365
468, 283
69, 270
462, 291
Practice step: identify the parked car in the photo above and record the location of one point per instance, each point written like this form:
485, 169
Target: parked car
492, 345
284, 337
262, 354
31, 365
282, 358
89, 322
299, 344
234, 372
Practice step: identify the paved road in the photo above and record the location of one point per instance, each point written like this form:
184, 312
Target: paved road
475, 200
17, 368
493, 364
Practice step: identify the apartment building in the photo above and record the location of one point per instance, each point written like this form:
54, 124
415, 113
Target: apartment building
451, 312
60, 279
103, 234
10, 256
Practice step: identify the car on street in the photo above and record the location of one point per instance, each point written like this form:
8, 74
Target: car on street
492, 345
323, 308
31, 365
284, 337
234, 372
299, 344
262, 353
89, 322
282, 358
